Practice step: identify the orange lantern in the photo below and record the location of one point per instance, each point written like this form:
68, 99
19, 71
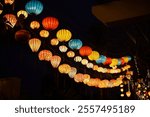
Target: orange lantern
45, 55
64, 68
34, 44
55, 61
85, 51
10, 20
95, 67
77, 59
50, 23
73, 72
79, 77
63, 48
70, 54
34, 25
22, 14
108, 61
54, 42
9, 2
128, 93
44, 33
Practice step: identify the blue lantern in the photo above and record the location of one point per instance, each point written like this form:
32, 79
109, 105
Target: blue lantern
129, 58
75, 44
34, 7
119, 62
101, 59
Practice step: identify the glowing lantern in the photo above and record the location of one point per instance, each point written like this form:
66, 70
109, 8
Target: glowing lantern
9, 2
44, 33
85, 51
50, 23
34, 25
114, 62
70, 54
64, 68
22, 35
34, 7
75, 44
64, 35
94, 55
108, 61
73, 72
128, 93
122, 95
101, 59
79, 77
10, 20
89, 65
54, 42
121, 89
84, 61
77, 59
95, 67
34, 44
1, 8
63, 48
149, 93
55, 61
22, 14
45, 55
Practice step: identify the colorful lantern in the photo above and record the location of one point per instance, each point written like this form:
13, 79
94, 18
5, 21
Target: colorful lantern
45, 55
79, 77
70, 54
34, 7
44, 33
85, 51
64, 68
50, 23
55, 61
54, 42
63, 48
77, 59
73, 72
10, 20
1, 8
9, 2
75, 44
94, 55
34, 25
34, 44
22, 14
101, 59
108, 61
84, 61
22, 35
63, 35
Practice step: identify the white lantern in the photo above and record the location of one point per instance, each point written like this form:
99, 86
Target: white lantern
73, 72
63, 48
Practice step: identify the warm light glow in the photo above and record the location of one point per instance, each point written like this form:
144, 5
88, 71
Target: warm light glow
34, 25
122, 95
44, 33
63, 48
79, 77
55, 61
34, 44
84, 61
73, 72
70, 54
89, 65
22, 14
10, 20
85, 51
94, 55
121, 89
77, 59
45, 55
9, 2
54, 42
64, 68
128, 93
1, 8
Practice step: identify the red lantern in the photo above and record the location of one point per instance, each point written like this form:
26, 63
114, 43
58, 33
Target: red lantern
10, 20
50, 23
45, 55
108, 61
85, 51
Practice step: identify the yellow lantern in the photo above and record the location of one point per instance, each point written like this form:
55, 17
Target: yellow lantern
34, 25
55, 61
73, 72
89, 65
54, 42
44, 33
77, 59
34, 44
45, 55
95, 67
64, 68
128, 93
63, 35
9, 2
114, 62
84, 61
1, 8
94, 55
70, 54
10, 20
22, 14
63, 48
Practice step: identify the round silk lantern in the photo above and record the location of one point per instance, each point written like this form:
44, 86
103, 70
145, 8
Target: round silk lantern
34, 25
54, 42
75, 44
79, 77
50, 23
77, 59
34, 44
101, 59
73, 72
10, 20
22, 35
63, 48
64, 68
63, 35
22, 14
70, 54
114, 62
45, 55
84, 61
89, 65
34, 7
44, 33
85, 51
94, 55
95, 67
1, 8
108, 61
55, 61
9, 2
